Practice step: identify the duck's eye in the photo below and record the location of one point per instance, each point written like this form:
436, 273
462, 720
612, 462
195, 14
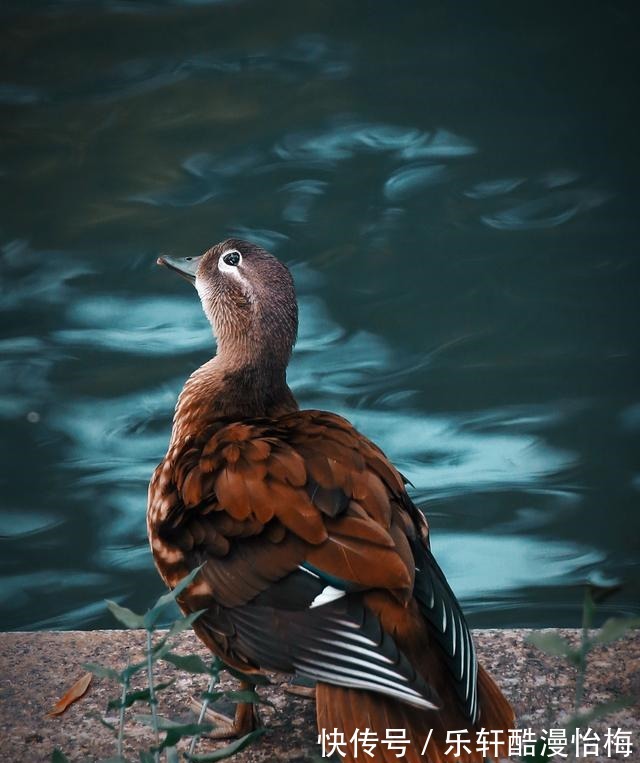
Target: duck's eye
232, 259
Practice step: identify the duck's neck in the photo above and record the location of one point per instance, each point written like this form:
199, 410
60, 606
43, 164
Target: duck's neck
225, 390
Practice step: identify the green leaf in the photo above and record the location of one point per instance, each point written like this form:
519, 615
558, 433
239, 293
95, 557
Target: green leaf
212, 696
153, 615
601, 588
217, 665
229, 750
131, 670
102, 672
147, 757
581, 720
554, 644
166, 724
615, 628
246, 695
186, 729
147, 720
253, 678
142, 695
184, 623
172, 755
176, 731
160, 649
95, 714
125, 616
173, 736
189, 662
151, 618
57, 756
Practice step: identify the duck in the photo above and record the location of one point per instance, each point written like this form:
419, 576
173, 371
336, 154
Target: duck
314, 559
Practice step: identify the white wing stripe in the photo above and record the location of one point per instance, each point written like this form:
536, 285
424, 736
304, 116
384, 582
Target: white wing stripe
364, 663
463, 655
355, 636
408, 695
358, 649
454, 632
326, 596
313, 574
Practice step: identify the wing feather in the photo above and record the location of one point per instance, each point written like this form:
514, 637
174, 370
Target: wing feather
257, 500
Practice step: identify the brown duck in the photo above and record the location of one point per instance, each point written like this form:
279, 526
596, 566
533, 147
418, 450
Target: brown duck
316, 561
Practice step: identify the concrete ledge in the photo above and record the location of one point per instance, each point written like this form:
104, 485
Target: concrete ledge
37, 668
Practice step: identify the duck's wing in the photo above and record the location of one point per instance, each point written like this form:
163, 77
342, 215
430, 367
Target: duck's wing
297, 521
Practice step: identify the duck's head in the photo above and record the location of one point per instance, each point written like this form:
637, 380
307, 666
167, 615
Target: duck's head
248, 297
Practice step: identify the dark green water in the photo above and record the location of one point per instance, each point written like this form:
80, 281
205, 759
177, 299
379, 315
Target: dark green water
455, 187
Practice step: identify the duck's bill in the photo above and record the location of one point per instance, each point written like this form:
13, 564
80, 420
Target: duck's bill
184, 266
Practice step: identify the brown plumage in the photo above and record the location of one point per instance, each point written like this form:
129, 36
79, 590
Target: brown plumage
315, 559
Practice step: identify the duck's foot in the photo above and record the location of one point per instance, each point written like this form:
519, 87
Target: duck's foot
246, 720
306, 692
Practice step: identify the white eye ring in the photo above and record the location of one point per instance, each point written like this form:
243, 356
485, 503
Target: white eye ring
230, 261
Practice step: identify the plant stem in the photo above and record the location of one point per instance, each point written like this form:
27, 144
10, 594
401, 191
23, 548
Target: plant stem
212, 682
152, 696
587, 619
125, 689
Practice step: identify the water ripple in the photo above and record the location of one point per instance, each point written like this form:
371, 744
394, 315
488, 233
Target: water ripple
17, 524
516, 561
30, 275
547, 212
302, 196
305, 56
630, 418
345, 137
443, 457
490, 188
204, 165
19, 589
137, 325
441, 144
19, 95
409, 180
269, 239
25, 369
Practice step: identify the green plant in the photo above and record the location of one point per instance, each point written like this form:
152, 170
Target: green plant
166, 732
556, 645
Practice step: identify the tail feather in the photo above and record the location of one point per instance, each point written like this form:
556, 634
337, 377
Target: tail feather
353, 710
495, 710
348, 710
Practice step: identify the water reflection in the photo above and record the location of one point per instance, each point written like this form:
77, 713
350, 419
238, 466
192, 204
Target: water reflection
467, 288
112, 445
545, 212
137, 325
489, 188
408, 180
342, 139
312, 55
24, 376
302, 194
14, 524
31, 276
504, 563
